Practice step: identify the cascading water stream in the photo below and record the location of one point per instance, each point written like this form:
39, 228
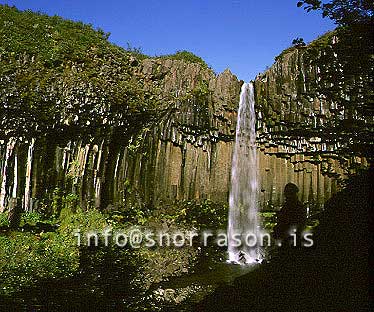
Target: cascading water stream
243, 224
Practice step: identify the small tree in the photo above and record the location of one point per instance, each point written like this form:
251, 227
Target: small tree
298, 42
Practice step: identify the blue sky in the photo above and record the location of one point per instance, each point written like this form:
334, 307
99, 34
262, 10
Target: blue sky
243, 35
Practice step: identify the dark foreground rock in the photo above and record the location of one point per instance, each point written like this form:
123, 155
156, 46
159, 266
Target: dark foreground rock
331, 276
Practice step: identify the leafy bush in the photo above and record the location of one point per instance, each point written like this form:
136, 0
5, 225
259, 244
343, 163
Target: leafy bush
186, 56
136, 51
31, 218
3, 219
52, 40
205, 214
26, 257
268, 220
84, 220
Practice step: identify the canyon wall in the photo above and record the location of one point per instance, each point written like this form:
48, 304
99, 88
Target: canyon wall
313, 111
185, 153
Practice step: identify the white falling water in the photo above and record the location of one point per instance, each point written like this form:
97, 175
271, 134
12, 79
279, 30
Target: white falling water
243, 224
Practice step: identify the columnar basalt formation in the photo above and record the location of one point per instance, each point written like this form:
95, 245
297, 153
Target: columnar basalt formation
314, 113
184, 154
185, 151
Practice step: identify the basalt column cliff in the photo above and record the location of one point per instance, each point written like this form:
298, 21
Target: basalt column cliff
184, 150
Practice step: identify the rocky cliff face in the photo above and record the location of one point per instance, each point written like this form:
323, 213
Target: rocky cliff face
313, 111
185, 152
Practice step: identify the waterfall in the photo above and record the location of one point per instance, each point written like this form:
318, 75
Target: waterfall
243, 224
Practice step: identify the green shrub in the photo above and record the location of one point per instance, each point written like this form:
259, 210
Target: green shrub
135, 214
52, 39
4, 219
205, 214
268, 220
186, 56
31, 218
26, 258
84, 221
49, 61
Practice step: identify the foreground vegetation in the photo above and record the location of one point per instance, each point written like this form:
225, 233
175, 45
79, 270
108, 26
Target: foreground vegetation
46, 248
36, 251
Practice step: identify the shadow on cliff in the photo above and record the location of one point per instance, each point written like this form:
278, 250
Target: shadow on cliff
331, 276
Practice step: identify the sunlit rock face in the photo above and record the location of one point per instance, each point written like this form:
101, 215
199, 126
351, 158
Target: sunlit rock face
186, 152
313, 119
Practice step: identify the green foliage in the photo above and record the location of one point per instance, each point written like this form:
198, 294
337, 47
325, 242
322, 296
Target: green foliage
4, 219
31, 218
284, 52
298, 42
59, 200
60, 78
186, 56
268, 220
312, 224
52, 40
322, 42
26, 257
136, 51
343, 12
202, 89
70, 201
135, 142
205, 214
131, 214
201, 102
56, 201
84, 220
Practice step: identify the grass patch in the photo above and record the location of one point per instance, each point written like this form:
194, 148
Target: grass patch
186, 56
26, 257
